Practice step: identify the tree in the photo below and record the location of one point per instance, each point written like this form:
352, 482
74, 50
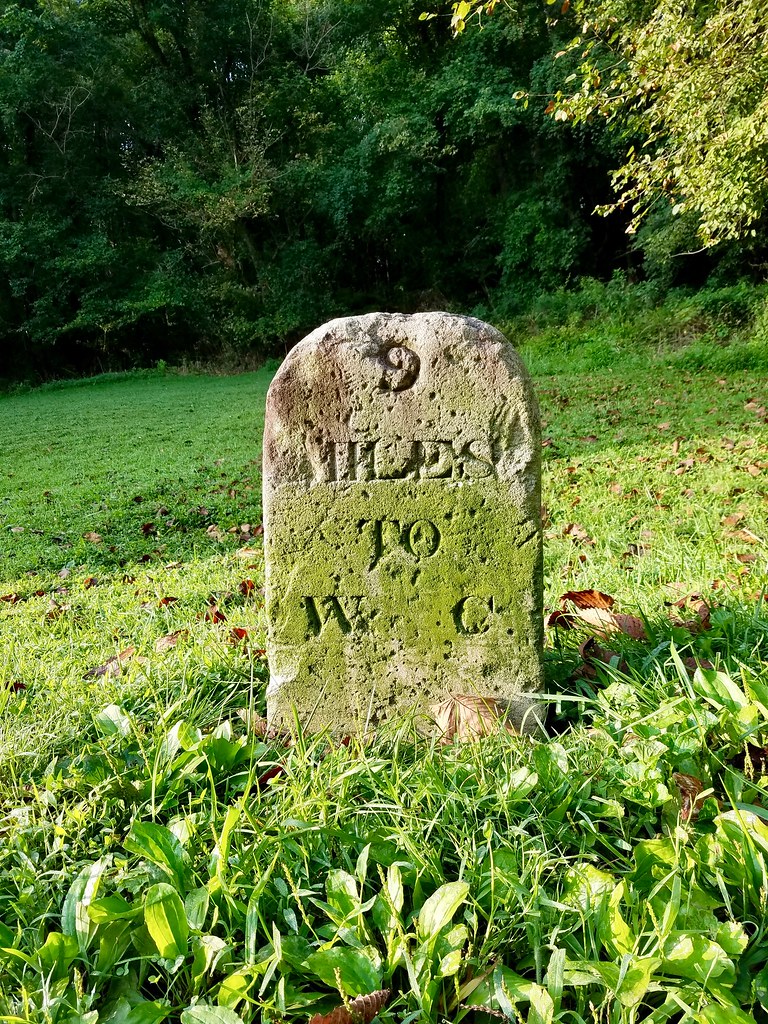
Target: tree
686, 86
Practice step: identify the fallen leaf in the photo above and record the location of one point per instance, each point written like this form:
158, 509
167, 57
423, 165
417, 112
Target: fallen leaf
165, 601
92, 538
746, 535
690, 789
14, 686
592, 608
588, 599
214, 532
214, 614
247, 553
16, 529
90, 581
148, 529
753, 470
733, 519
663, 426
702, 611
466, 718
238, 635
361, 1010
746, 557
578, 534
11, 598
246, 587
592, 653
560, 619
165, 643
113, 666
56, 610
272, 773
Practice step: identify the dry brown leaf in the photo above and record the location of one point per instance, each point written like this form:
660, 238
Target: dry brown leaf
90, 581
746, 535
733, 519
214, 614
56, 610
689, 787
465, 717
702, 611
588, 599
578, 534
92, 538
237, 635
593, 654
361, 1010
248, 553
113, 666
746, 558
165, 643
559, 619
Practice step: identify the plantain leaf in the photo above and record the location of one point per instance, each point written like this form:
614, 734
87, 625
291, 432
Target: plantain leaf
166, 921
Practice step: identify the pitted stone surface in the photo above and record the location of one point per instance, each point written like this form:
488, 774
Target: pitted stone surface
402, 522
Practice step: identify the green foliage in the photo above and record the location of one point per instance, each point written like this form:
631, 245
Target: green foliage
683, 88
162, 858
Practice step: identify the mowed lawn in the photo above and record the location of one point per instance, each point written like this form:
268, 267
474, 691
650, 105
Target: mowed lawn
132, 631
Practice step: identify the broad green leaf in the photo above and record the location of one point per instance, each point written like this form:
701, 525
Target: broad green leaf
57, 954
114, 938
715, 1014
160, 847
196, 907
113, 721
147, 1012
732, 938
74, 913
113, 908
359, 969
542, 1009
688, 955
166, 921
234, 988
611, 926
634, 984
341, 893
361, 867
450, 964
481, 992
395, 887
208, 952
719, 689
439, 909
586, 887
202, 1013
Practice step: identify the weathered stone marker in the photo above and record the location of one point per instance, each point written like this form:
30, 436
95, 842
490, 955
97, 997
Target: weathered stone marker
402, 522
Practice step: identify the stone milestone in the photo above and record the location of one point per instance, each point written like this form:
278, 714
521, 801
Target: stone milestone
402, 523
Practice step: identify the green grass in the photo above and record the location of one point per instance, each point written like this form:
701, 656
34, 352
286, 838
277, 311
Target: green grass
160, 857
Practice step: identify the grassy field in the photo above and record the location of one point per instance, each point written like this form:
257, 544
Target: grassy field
161, 857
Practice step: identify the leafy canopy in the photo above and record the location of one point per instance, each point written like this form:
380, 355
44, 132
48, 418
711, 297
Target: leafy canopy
685, 85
